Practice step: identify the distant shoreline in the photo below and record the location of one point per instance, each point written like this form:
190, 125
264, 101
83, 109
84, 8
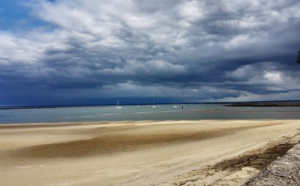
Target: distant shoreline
292, 103
265, 104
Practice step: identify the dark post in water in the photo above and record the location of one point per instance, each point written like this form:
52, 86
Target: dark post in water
298, 61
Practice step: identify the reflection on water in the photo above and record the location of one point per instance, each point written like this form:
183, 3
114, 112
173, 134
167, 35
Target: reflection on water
160, 112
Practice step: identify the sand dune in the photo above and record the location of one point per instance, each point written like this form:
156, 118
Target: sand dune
141, 153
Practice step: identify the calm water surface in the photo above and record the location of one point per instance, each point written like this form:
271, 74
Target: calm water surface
160, 112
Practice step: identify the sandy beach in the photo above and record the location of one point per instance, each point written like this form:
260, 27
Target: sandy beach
206, 152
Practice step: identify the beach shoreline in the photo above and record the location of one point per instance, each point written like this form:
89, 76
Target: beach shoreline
141, 152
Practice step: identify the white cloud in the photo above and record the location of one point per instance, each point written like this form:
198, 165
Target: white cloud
15, 50
273, 77
267, 74
192, 10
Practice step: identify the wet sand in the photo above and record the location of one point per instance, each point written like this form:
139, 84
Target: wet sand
142, 153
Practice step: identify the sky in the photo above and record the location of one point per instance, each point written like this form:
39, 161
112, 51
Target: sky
70, 52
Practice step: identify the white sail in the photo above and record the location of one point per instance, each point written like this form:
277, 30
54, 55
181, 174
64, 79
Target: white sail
118, 106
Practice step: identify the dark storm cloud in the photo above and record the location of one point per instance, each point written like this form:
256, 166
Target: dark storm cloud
197, 50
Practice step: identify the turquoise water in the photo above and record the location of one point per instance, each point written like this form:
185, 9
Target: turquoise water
160, 112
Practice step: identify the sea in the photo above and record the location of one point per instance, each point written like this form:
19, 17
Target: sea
145, 112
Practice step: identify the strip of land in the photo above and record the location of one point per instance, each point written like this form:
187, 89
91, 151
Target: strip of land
265, 104
202, 152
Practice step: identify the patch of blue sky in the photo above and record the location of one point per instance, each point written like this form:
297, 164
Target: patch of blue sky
16, 15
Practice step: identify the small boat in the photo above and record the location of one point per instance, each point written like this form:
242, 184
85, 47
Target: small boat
153, 106
117, 105
174, 106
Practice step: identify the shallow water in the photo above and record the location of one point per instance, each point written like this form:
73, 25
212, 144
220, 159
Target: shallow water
146, 112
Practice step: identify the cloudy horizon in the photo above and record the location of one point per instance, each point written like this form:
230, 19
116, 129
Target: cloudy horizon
95, 51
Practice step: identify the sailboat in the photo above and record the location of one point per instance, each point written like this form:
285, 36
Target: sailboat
175, 106
118, 106
153, 106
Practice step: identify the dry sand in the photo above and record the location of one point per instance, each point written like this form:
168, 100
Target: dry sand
142, 153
